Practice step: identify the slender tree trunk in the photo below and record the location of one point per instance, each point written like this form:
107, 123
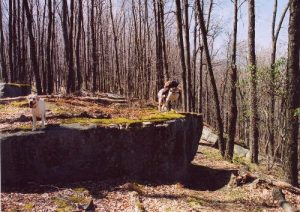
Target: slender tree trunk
181, 53
272, 75
233, 83
293, 100
10, 42
188, 56
50, 83
253, 88
78, 62
3, 60
212, 79
159, 48
163, 40
71, 75
116, 50
94, 47
33, 48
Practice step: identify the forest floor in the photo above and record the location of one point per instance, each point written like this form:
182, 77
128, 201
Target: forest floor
207, 187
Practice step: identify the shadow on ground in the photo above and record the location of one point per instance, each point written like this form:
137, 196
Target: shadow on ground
203, 178
199, 178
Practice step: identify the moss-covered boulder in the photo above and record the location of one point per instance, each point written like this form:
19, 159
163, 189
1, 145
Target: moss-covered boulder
14, 90
152, 151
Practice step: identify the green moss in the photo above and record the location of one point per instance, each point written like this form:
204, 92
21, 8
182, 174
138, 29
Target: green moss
28, 206
25, 127
244, 161
18, 85
62, 205
2, 107
195, 202
236, 194
157, 117
212, 154
23, 103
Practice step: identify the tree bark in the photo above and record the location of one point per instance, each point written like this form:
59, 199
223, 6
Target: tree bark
293, 100
188, 56
71, 75
181, 53
50, 83
212, 79
253, 87
33, 49
78, 62
3, 60
233, 83
116, 50
272, 75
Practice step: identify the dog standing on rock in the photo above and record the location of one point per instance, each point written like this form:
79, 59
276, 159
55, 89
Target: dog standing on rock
168, 96
38, 109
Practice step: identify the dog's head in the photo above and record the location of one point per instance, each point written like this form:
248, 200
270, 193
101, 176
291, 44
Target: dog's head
174, 90
33, 99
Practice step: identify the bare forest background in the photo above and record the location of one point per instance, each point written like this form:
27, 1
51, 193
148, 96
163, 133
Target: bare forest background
132, 47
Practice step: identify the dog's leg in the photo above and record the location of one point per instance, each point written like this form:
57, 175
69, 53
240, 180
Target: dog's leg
43, 120
159, 105
33, 123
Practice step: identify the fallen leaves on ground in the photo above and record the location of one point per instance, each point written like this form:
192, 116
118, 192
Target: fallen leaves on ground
206, 189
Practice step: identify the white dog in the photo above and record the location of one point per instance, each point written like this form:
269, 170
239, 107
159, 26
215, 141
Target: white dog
172, 98
165, 102
161, 99
38, 110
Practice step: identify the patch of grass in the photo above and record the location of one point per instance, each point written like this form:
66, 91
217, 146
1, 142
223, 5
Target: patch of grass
28, 206
244, 161
157, 117
236, 194
18, 85
25, 127
62, 205
82, 190
196, 202
23, 103
2, 107
212, 154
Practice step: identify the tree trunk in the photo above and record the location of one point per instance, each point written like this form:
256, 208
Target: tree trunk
253, 90
49, 62
181, 53
233, 83
71, 75
78, 65
212, 79
293, 100
272, 75
188, 56
163, 41
94, 47
10, 42
116, 50
33, 49
3, 60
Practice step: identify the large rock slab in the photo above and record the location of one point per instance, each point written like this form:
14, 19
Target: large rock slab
70, 153
14, 90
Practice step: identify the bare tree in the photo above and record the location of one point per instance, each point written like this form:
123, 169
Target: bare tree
233, 83
181, 53
33, 54
3, 60
50, 84
293, 100
275, 35
212, 79
253, 87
